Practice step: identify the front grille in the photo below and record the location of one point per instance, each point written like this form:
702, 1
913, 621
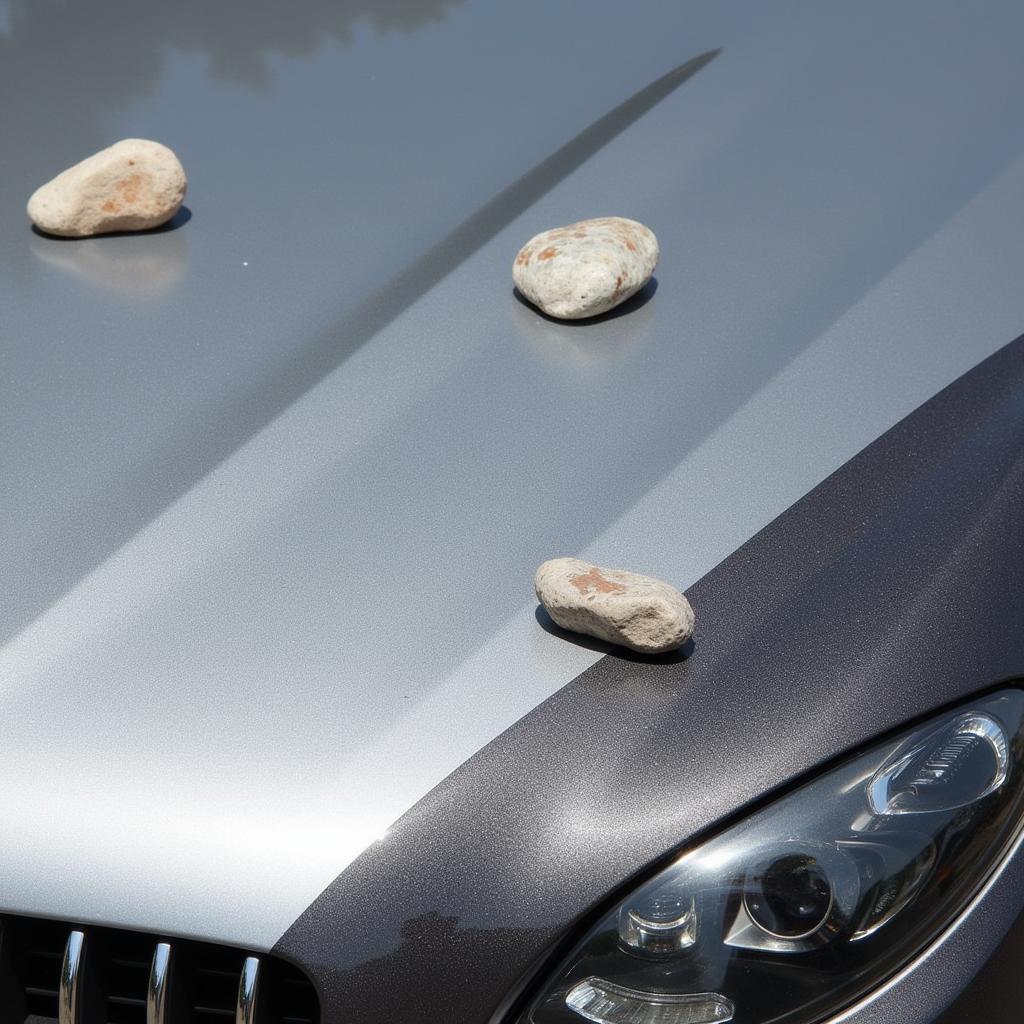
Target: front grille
71, 974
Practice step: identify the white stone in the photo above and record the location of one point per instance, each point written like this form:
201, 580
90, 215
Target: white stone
130, 186
639, 612
587, 268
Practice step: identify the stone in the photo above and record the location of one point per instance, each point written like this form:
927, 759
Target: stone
639, 612
587, 268
131, 186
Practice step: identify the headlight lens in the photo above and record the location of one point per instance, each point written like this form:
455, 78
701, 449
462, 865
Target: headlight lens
809, 903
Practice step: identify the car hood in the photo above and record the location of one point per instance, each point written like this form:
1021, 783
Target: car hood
276, 478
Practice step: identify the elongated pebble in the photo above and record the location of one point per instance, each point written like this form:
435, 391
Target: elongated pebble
622, 607
132, 185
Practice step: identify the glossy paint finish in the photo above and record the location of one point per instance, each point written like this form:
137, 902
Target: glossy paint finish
276, 480
889, 591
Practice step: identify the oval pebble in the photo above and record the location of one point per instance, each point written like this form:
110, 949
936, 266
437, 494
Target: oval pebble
133, 185
587, 268
640, 612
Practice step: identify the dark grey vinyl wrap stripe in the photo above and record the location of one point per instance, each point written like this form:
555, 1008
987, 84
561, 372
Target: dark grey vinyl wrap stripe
889, 590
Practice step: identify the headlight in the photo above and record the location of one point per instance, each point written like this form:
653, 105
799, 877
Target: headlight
798, 910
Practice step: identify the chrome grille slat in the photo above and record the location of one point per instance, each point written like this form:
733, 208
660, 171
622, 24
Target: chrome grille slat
74, 974
248, 989
156, 991
70, 979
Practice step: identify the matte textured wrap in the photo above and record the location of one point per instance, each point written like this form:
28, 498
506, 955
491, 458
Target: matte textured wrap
892, 589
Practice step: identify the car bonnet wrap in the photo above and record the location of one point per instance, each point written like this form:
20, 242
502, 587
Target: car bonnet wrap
890, 590
277, 479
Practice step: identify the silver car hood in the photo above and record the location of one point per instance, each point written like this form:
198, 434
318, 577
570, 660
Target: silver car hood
275, 481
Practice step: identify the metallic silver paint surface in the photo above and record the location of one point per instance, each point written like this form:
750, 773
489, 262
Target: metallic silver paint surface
274, 488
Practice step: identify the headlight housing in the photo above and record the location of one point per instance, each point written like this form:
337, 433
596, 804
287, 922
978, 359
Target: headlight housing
799, 909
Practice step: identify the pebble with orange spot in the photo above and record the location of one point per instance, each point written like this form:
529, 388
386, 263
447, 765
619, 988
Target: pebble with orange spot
132, 185
640, 612
586, 269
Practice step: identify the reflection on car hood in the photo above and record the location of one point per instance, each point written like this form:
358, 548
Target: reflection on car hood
276, 479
